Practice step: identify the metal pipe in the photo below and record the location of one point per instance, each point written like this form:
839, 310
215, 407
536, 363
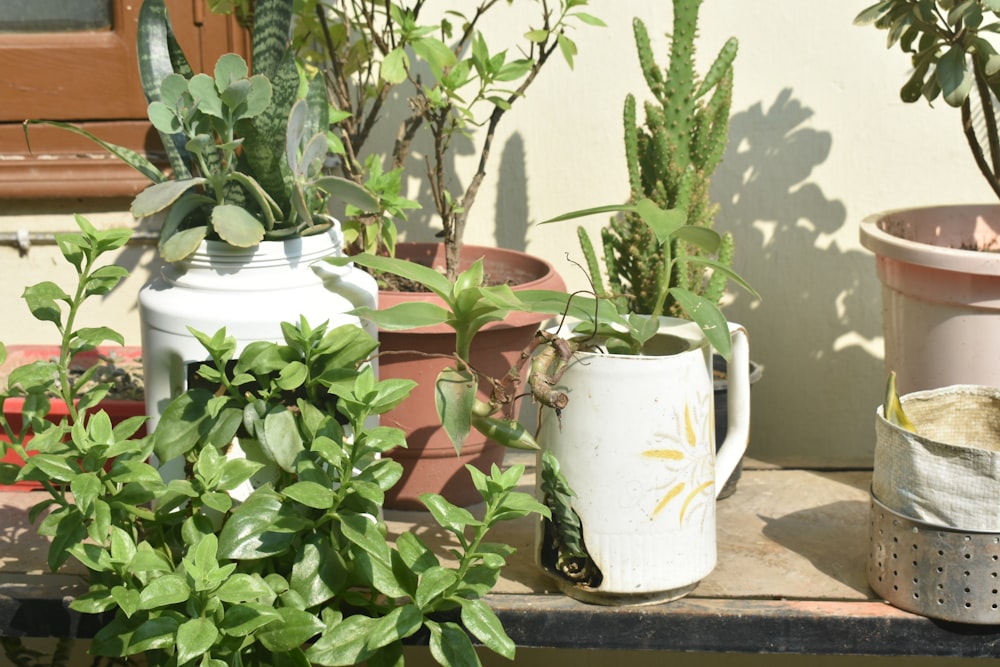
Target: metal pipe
22, 239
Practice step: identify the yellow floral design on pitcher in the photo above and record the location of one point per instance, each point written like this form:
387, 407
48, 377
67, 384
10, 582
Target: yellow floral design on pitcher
690, 463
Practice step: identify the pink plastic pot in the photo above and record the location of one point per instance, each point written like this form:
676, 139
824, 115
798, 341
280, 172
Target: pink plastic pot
940, 273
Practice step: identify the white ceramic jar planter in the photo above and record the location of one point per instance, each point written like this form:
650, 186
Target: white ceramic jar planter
940, 273
636, 444
250, 292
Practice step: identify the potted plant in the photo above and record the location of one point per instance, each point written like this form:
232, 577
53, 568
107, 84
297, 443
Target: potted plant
637, 408
246, 210
671, 157
273, 550
466, 395
446, 81
939, 279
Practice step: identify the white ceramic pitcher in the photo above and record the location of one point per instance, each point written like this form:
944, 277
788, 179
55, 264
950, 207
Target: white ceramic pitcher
637, 446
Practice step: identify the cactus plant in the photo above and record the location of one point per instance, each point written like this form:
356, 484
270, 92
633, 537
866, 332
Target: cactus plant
670, 160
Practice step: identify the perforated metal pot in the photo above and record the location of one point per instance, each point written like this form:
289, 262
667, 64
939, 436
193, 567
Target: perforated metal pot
934, 571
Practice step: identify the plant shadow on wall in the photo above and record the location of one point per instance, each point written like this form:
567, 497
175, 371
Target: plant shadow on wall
818, 334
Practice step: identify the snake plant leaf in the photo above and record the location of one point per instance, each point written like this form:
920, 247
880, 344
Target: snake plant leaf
454, 396
236, 226
130, 157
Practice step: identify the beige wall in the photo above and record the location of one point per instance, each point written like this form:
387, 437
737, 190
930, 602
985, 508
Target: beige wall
818, 141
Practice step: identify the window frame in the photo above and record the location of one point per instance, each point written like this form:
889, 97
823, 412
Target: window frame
91, 78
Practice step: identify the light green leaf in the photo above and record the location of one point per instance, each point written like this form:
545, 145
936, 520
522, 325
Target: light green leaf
394, 66
236, 226
349, 192
433, 280
454, 396
182, 244
405, 316
159, 196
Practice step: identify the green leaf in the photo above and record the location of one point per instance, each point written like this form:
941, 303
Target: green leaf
433, 280
954, 77
42, 300
435, 52
663, 222
295, 629
130, 157
348, 192
589, 19
182, 244
163, 592
194, 638
236, 226
252, 532
243, 619
479, 619
434, 583
311, 494
454, 397
159, 196
568, 48
158, 632
537, 36
406, 316
344, 643
448, 516
363, 532
394, 66
708, 317
450, 645
281, 441
395, 626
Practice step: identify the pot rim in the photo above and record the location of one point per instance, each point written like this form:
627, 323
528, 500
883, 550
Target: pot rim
887, 245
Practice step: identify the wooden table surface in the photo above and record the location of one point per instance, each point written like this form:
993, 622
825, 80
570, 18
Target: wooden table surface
790, 578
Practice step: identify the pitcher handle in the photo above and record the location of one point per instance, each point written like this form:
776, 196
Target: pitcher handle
738, 405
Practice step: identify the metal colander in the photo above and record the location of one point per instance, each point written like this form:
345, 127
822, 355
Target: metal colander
934, 571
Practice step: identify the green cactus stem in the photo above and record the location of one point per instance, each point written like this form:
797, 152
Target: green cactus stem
671, 158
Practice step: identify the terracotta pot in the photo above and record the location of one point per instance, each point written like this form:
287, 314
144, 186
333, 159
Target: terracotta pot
117, 409
940, 276
429, 461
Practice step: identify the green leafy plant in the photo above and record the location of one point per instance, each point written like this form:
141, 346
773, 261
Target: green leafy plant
951, 48
610, 320
272, 548
246, 151
453, 81
468, 306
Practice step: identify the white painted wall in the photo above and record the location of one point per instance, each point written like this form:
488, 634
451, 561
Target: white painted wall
818, 141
